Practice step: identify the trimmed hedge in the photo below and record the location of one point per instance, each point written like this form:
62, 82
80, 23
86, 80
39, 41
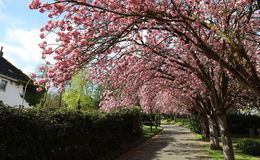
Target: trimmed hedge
64, 134
240, 124
195, 125
249, 146
148, 118
151, 119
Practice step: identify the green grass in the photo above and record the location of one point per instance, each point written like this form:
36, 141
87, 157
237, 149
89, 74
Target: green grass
167, 121
178, 122
237, 140
218, 154
147, 133
198, 136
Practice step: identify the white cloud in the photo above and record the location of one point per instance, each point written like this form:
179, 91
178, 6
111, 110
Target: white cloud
27, 44
29, 69
21, 48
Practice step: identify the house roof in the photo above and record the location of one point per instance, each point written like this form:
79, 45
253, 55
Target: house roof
9, 70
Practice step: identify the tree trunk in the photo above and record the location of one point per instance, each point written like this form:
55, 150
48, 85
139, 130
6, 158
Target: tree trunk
151, 122
60, 100
225, 136
174, 117
204, 126
213, 134
155, 119
159, 119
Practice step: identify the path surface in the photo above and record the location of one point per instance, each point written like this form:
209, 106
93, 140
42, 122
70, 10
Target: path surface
173, 143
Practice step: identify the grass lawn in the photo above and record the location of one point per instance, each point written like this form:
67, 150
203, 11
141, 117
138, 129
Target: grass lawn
147, 133
218, 154
178, 122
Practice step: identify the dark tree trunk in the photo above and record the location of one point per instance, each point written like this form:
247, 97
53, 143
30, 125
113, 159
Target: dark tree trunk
155, 119
174, 117
159, 120
204, 126
225, 136
151, 122
60, 100
43, 101
213, 134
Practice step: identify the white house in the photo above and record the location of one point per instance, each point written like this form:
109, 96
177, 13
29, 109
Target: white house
12, 84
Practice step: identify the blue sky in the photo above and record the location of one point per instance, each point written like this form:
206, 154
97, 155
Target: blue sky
19, 34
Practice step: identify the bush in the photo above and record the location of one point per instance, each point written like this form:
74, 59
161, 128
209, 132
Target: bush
240, 124
148, 118
249, 147
65, 134
195, 125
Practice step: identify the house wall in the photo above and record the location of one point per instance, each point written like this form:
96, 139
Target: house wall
11, 96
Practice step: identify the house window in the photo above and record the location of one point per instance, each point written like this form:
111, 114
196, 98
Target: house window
3, 84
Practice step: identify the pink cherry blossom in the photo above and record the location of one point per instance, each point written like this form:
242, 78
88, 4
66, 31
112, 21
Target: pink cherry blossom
32, 75
34, 4
39, 89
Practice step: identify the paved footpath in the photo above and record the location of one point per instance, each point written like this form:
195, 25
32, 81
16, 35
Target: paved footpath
173, 143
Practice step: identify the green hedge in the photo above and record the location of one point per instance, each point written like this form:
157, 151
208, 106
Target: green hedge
148, 118
65, 135
195, 125
240, 124
249, 146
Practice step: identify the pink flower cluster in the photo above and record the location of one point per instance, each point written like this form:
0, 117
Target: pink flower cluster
34, 4
144, 50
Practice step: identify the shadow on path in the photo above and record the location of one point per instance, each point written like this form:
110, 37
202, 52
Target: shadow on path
173, 143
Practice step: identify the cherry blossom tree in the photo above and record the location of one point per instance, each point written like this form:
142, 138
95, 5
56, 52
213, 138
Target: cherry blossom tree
221, 94
225, 31
164, 41
160, 88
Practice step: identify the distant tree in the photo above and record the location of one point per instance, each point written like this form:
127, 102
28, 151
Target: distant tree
82, 94
32, 96
53, 101
31, 92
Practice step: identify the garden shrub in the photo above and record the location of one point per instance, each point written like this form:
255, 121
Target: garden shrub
195, 125
148, 118
249, 146
32, 134
240, 124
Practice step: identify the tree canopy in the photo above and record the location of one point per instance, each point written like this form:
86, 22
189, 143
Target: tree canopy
198, 52
224, 31
82, 94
